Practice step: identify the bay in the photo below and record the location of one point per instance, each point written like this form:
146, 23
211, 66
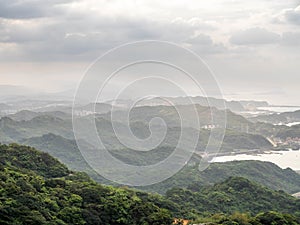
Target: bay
283, 159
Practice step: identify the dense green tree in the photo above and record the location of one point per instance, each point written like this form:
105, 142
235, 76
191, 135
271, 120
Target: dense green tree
37, 189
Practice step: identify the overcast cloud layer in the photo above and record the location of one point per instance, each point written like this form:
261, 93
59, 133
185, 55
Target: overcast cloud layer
252, 46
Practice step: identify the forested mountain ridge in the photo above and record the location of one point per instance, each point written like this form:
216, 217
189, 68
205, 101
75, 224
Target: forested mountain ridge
38, 189
236, 194
275, 118
265, 173
56, 123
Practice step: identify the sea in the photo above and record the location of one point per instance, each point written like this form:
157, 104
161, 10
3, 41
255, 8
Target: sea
284, 159
280, 109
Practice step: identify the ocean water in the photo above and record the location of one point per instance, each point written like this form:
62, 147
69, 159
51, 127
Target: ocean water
283, 159
292, 124
280, 109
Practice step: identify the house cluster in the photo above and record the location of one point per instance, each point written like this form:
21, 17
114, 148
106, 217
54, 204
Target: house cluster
290, 142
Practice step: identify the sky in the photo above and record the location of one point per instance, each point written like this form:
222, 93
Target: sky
253, 47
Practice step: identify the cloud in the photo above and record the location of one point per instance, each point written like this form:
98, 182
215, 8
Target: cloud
19, 9
67, 29
291, 38
21, 31
254, 36
200, 39
75, 32
293, 15
77, 35
203, 44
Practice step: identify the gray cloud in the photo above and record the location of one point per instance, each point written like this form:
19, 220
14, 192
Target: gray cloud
293, 15
291, 38
18, 9
254, 36
73, 33
67, 38
203, 45
200, 39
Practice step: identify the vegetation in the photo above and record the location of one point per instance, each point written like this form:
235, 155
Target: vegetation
37, 189
289, 132
27, 124
265, 218
276, 118
265, 173
234, 194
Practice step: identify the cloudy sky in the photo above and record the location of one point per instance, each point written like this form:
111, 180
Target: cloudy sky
253, 47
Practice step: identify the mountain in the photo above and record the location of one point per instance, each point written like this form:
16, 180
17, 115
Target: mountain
289, 132
251, 104
36, 105
236, 106
99, 108
14, 131
235, 194
29, 160
173, 115
265, 173
278, 118
28, 124
5, 109
203, 101
65, 150
29, 115
233, 140
240, 140
37, 189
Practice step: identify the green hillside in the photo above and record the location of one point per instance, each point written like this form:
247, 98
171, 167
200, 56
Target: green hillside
289, 132
170, 115
37, 189
29, 115
27, 124
13, 131
235, 194
265, 173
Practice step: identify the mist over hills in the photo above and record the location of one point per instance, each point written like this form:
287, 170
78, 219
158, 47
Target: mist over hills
278, 118
254, 186
52, 132
265, 173
56, 117
26, 115
241, 133
31, 124
15, 91
22, 98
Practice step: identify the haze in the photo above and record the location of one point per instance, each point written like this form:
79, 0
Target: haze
253, 47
